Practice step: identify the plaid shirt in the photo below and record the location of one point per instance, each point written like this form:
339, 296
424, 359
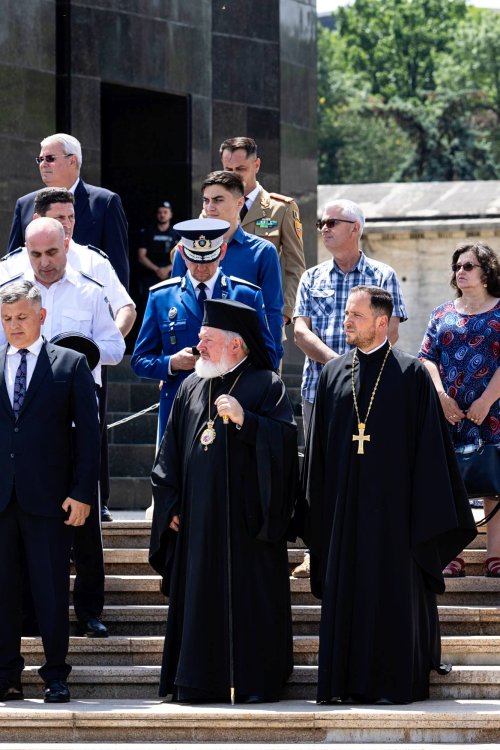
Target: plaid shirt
322, 297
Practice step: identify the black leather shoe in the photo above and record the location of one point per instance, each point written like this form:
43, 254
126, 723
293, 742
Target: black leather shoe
105, 514
56, 691
11, 691
92, 628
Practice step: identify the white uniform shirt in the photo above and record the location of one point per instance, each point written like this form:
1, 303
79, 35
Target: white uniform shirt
81, 259
76, 303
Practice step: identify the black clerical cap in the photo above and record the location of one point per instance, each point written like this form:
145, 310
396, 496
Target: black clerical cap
202, 239
230, 315
79, 343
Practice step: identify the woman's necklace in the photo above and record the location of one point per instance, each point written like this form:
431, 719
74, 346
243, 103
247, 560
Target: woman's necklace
476, 306
208, 435
361, 437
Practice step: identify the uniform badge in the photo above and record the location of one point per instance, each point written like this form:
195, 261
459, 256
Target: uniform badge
172, 313
266, 223
298, 228
296, 215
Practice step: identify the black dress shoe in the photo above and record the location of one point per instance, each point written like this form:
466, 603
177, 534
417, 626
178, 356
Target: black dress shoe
11, 691
105, 514
92, 628
56, 691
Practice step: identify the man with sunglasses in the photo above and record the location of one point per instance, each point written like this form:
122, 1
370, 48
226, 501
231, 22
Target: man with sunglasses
99, 214
322, 297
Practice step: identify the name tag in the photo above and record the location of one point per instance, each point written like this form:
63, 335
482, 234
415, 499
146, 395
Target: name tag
266, 223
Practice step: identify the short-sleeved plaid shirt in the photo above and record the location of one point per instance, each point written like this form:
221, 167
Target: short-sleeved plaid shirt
322, 297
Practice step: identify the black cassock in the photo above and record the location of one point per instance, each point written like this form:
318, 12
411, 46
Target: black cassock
380, 526
191, 481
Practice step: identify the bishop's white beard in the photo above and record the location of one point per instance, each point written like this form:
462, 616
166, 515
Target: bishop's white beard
204, 368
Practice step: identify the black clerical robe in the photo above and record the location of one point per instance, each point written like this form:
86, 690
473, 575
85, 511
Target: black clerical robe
191, 481
380, 526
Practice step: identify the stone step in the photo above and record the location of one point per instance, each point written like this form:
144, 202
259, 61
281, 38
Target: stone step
147, 650
126, 534
140, 681
150, 619
231, 746
149, 721
131, 460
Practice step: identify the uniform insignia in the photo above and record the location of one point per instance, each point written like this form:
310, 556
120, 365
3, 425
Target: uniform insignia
202, 243
283, 198
97, 250
266, 223
14, 278
296, 215
167, 282
237, 280
172, 313
91, 278
12, 252
298, 228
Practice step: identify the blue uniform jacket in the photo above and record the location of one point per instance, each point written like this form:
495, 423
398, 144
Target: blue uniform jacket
256, 260
172, 321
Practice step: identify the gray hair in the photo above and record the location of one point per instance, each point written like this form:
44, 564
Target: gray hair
71, 146
349, 210
19, 290
230, 335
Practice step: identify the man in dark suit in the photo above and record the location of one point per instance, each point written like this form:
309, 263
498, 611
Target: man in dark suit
100, 218
49, 474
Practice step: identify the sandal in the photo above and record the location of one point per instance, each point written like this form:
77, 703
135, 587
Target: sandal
493, 567
456, 568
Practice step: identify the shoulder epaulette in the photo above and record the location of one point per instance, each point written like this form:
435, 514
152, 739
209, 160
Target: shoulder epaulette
283, 198
167, 282
244, 281
97, 250
12, 252
14, 278
91, 278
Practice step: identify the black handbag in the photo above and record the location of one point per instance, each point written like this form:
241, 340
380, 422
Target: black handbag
480, 470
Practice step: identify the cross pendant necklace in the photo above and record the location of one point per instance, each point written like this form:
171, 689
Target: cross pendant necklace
361, 438
209, 434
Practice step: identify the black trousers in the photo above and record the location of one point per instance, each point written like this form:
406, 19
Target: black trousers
41, 546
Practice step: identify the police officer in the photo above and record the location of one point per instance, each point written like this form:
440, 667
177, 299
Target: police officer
164, 347
75, 303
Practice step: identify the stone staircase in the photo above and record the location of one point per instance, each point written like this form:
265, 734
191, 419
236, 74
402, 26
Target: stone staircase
114, 681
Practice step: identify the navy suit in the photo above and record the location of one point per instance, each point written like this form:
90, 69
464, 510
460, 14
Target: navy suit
99, 220
172, 321
43, 460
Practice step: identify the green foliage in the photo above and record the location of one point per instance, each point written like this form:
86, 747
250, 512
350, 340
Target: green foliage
409, 90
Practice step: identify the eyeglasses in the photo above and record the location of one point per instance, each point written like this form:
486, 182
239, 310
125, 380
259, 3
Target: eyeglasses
50, 158
330, 223
466, 266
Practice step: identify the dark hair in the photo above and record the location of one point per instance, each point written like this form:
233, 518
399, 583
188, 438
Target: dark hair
47, 196
230, 180
233, 144
380, 299
487, 259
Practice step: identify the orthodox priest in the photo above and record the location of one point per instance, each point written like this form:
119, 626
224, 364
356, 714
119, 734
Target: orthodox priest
224, 485
385, 511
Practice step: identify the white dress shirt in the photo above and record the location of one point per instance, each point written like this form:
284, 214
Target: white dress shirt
81, 259
78, 304
209, 284
13, 360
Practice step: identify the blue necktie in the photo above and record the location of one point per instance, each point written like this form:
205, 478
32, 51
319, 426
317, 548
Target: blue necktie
20, 383
202, 295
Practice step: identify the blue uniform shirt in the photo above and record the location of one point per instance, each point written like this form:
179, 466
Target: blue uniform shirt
172, 321
256, 260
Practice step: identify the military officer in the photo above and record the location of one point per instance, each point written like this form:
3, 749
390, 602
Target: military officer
164, 347
272, 216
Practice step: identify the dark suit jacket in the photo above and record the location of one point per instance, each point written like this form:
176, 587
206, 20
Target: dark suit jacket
40, 453
100, 221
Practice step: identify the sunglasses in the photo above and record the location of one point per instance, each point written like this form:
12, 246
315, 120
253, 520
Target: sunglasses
330, 223
466, 266
50, 158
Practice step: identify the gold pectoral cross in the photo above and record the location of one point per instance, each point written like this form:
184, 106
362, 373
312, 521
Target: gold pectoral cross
361, 437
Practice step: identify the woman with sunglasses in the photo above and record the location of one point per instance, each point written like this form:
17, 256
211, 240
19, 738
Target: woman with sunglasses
461, 350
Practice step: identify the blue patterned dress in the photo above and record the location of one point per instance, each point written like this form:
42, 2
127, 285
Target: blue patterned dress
466, 349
